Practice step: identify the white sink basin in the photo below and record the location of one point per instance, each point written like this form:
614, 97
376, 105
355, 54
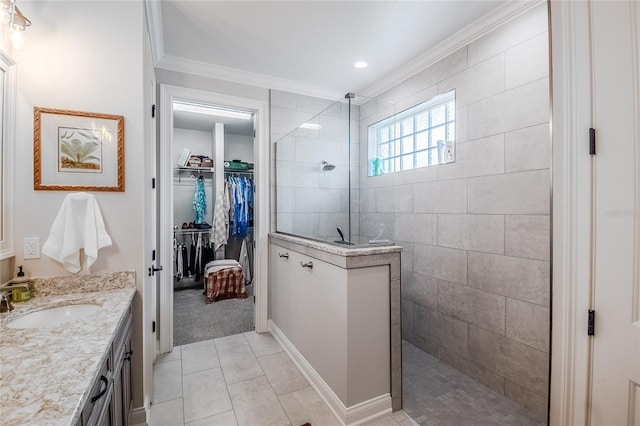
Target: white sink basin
53, 317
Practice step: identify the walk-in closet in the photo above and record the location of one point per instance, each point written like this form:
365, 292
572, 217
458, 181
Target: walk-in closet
213, 199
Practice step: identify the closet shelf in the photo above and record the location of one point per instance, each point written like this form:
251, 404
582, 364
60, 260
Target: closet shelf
194, 169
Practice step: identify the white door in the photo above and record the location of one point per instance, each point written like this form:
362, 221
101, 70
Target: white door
615, 398
151, 254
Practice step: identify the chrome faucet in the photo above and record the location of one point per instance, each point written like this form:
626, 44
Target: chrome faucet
5, 303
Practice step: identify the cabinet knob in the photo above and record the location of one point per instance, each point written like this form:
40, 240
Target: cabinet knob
285, 255
307, 265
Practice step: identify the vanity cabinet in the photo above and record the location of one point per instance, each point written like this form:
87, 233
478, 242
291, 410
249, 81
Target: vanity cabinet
109, 402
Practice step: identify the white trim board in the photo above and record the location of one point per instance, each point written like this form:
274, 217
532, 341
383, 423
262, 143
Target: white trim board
174, 63
466, 35
168, 94
138, 417
571, 94
153, 13
354, 415
463, 37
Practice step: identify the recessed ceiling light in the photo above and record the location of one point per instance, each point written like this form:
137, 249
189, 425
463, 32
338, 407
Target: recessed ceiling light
207, 110
312, 126
360, 64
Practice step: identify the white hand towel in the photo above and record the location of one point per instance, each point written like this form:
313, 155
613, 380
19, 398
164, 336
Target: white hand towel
78, 225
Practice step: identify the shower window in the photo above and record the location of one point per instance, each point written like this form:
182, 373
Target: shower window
421, 136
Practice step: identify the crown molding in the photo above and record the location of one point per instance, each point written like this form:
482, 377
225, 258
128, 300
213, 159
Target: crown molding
153, 13
174, 63
459, 39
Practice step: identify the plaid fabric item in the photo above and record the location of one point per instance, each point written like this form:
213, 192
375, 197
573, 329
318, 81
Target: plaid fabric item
225, 284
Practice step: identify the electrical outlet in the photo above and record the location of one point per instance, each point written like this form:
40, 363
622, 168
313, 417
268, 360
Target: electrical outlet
31, 248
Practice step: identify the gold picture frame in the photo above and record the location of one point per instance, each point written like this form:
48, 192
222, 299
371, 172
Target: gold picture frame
77, 151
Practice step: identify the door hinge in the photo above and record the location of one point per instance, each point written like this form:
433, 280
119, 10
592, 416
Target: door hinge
153, 183
153, 255
592, 141
254, 133
153, 110
254, 300
591, 326
153, 326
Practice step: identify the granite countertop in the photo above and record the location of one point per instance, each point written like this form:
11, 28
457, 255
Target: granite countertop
340, 250
47, 373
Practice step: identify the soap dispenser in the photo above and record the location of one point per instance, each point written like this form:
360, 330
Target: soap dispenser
21, 290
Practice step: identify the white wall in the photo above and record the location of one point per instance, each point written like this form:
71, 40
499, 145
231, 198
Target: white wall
238, 147
211, 85
73, 58
200, 143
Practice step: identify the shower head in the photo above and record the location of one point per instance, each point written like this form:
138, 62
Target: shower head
327, 167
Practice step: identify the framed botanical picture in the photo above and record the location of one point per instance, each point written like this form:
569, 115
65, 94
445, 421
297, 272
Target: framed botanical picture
77, 151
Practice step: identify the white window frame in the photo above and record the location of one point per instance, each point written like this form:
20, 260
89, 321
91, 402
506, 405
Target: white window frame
391, 132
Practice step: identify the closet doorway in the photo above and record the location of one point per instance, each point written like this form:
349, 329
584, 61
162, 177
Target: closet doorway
210, 217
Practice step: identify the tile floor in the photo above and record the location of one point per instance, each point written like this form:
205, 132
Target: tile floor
437, 394
244, 379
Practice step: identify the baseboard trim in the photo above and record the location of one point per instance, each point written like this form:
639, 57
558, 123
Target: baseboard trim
139, 416
354, 415
369, 410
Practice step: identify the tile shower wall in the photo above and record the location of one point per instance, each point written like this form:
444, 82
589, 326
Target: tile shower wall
311, 202
475, 233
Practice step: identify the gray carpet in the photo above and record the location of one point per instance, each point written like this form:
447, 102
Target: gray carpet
195, 321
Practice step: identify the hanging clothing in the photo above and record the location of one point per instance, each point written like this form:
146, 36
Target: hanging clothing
221, 219
199, 201
241, 190
244, 261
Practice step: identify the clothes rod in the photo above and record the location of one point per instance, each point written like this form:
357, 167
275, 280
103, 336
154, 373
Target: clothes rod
192, 230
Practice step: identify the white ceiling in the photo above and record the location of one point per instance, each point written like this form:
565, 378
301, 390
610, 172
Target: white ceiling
309, 43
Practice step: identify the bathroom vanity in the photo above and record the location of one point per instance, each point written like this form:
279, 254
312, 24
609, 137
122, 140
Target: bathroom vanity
77, 372
336, 310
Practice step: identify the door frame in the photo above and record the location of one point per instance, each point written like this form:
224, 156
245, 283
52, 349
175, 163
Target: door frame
169, 94
572, 228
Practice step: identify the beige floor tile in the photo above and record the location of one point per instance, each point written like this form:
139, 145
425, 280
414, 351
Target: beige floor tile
399, 416
167, 381
238, 364
174, 355
205, 395
255, 403
230, 341
408, 422
383, 421
228, 418
282, 373
262, 344
199, 356
168, 413
305, 405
